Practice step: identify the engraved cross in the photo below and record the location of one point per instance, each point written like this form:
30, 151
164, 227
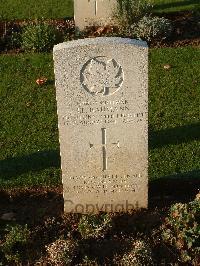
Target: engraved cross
95, 6
104, 146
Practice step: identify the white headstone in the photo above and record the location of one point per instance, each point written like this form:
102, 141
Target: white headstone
93, 12
102, 101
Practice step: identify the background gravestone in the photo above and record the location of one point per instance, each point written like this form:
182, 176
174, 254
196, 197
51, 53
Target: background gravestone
93, 12
102, 103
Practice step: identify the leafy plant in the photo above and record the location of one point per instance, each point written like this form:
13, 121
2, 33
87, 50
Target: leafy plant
61, 252
15, 243
129, 12
134, 20
40, 37
182, 230
94, 226
149, 28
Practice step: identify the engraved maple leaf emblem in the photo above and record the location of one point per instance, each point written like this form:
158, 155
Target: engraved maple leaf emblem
102, 76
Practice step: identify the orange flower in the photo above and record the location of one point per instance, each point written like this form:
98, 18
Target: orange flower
41, 81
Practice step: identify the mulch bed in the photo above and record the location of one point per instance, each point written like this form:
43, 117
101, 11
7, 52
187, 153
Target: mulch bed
186, 30
42, 209
32, 205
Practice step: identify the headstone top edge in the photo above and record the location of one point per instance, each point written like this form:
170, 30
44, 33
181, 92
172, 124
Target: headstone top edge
100, 40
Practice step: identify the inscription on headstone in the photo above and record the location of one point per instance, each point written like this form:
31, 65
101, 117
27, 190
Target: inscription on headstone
102, 102
93, 12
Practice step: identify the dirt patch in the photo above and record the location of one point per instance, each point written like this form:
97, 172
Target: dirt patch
33, 205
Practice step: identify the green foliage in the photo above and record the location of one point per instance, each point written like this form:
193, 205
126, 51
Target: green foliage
15, 243
182, 230
31, 9
140, 254
94, 226
61, 252
169, 6
134, 20
40, 37
150, 28
129, 12
174, 113
23, 9
29, 151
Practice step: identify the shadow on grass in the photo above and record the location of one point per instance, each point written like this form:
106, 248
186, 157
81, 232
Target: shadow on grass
175, 188
175, 135
50, 82
180, 4
12, 167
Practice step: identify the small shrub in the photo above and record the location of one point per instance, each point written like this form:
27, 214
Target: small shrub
139, 255
67, 29
88, 262
61, 252
40, 37
94, 226
149, 28
131, 11
182, 230
15, 243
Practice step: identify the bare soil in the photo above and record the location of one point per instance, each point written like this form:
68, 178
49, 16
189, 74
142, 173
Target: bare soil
33, 205
186, 30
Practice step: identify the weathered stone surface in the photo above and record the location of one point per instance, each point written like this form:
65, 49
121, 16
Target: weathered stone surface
102, 98
93, 12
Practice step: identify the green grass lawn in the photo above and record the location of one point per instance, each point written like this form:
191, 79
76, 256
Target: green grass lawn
175, 5
23, 9
28, 126
29, 147
174, 112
